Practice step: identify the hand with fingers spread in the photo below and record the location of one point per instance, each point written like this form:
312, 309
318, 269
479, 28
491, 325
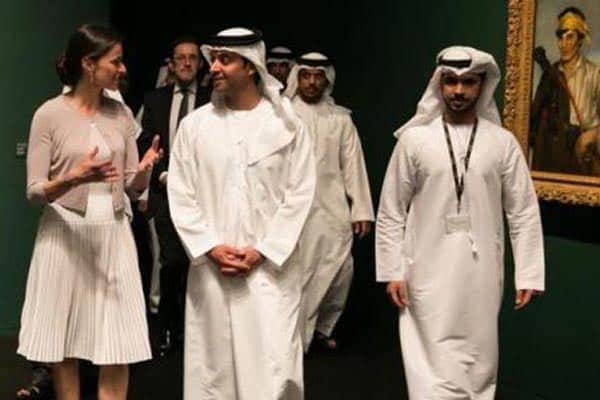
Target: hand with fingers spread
523, 297
229, 259
140, 181
91, 170
398, 293
361, 228
152, 155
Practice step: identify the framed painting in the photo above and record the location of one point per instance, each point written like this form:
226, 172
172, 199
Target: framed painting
552, 95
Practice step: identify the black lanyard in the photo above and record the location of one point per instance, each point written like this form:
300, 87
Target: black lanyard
459, 183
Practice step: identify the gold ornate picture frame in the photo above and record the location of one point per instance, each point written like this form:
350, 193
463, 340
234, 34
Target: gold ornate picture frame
566, 188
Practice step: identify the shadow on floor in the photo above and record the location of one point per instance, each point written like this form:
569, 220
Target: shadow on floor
347, 375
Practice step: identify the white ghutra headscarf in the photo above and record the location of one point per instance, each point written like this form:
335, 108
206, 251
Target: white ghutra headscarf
280, 54
459, 60
311, 61
249, 44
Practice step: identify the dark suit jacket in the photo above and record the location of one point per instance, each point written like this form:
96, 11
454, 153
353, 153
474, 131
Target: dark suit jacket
155, 121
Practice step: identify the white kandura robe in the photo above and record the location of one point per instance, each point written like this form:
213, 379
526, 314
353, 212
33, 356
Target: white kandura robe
241, 178
342, 196
455, 281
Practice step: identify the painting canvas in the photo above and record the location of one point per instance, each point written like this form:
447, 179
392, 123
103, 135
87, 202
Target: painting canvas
552, 96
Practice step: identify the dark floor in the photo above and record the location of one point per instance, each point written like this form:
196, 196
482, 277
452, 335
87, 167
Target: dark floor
346, 375
349, 374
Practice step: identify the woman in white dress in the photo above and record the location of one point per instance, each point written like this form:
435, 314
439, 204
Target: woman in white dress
84, 296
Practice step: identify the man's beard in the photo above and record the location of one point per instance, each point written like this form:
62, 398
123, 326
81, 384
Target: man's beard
466, 107
311, 98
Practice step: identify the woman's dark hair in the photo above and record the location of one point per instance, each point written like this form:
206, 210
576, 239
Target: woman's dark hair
88, 40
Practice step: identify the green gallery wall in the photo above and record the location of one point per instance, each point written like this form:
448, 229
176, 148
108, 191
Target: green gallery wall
384, 52
33, 33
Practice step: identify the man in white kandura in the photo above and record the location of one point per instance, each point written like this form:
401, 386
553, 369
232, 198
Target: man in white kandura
241, 183
440, 231
280, 61
342, 202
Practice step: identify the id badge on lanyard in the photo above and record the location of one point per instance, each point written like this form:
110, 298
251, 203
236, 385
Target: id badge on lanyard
461, 221
458, 223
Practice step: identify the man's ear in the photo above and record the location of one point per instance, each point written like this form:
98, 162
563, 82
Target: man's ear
250, 67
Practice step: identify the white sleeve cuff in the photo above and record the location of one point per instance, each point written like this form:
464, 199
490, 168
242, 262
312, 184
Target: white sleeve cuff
162, 178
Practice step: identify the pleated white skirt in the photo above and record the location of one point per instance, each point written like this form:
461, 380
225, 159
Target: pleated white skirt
84, 295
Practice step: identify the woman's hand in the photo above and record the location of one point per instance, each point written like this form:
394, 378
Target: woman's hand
152, 156
91, 170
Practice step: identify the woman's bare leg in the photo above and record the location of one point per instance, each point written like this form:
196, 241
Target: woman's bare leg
113, 382
65, 375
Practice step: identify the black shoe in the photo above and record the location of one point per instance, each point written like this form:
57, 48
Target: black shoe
42, 390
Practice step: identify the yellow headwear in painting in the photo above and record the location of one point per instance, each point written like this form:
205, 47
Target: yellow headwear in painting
574, 22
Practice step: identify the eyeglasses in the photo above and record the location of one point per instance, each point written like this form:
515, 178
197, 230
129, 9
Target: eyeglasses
180, 59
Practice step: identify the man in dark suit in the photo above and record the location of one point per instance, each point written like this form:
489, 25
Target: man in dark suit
163, 110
